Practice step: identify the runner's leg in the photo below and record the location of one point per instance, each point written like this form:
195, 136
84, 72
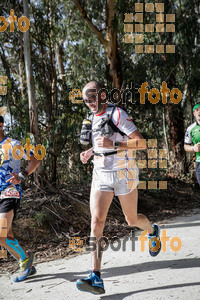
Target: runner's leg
10, 243
99, 205
129, 206
198, 172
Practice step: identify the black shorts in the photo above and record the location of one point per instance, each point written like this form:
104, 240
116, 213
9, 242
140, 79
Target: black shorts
198, 172
7, 205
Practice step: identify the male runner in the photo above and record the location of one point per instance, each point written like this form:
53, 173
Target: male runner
106, 179
10, 194
192, 136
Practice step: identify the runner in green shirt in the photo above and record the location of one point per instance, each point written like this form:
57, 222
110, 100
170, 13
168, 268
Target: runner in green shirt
192, 139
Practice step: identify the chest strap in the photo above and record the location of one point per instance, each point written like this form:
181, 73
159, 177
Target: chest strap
105, 153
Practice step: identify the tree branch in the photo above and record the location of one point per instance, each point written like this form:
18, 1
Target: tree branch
92, 26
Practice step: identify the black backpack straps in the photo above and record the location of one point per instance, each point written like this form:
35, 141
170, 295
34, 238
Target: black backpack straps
112, 112
91, 117
114, 127
109, 120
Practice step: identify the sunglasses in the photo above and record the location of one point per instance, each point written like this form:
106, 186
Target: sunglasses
91, 99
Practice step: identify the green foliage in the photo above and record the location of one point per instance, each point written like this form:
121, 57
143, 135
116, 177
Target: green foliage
43, 218
59, 23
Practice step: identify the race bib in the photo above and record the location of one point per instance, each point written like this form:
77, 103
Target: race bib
10, 192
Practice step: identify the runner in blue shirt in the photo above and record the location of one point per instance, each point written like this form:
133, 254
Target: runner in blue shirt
10, 194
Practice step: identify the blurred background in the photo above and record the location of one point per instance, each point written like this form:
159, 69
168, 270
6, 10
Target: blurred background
70, 43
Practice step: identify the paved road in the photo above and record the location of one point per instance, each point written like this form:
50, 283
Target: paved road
127, 274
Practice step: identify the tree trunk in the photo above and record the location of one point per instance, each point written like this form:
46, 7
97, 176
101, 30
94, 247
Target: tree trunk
30, 83
175, 121
59, 56
113, 59
110, 42
54, 98
21, 66
31, 88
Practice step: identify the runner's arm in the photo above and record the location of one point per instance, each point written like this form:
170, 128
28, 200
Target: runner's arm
32, 166
85, 155
188, 148
90, 151
191, 148
136, 141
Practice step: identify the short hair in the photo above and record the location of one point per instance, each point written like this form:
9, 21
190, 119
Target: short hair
97, 84
1, 119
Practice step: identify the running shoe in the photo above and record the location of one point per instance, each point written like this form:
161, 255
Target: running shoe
154, 241
92, 284
33, 271
25, 268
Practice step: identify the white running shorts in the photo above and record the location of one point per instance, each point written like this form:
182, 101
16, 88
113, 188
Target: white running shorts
121, 182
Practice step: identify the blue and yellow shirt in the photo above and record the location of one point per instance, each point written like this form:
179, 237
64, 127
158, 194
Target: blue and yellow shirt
10, 161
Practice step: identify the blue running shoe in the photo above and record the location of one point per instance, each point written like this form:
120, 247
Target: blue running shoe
33, 271
92, 284
25, 268
154, 241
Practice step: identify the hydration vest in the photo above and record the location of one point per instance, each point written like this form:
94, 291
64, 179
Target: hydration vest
107, 127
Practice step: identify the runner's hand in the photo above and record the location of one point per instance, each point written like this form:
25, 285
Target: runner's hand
102, 141
14, 179
197, 147
85, 156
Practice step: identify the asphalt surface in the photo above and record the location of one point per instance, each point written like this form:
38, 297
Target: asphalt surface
127, 274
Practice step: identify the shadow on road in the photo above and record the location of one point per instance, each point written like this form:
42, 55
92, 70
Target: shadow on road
180, 225
124, 295
124, 270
